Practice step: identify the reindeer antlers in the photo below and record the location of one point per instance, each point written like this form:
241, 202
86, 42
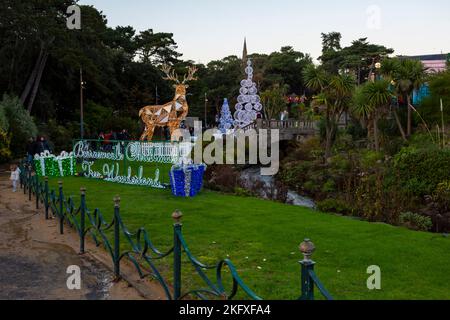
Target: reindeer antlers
190, 75
171, 76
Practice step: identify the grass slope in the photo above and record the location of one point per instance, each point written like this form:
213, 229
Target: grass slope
262, 238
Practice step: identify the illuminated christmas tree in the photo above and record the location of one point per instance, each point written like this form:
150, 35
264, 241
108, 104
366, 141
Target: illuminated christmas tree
226, 119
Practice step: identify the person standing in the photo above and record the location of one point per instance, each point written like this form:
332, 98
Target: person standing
31, 150
42, 145
15, 176
284, 118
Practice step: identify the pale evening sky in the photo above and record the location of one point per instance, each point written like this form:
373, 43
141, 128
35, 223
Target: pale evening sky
207, 30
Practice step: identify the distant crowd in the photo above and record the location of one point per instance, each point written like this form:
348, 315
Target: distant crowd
114, 136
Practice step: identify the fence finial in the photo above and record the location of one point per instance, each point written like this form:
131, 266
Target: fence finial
46, 179
60, 183
307, 248
83, 191
117, 201
177, 215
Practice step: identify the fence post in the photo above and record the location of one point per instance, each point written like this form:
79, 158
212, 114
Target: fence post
21, 175
25, 177
61, 208
46, 197
177, 215
117, 237
307, 248
30, 184
82, 219
37, 190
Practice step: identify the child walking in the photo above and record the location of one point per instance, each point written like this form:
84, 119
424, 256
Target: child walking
15, 176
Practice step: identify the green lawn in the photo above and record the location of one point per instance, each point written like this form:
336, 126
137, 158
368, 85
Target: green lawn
256, 233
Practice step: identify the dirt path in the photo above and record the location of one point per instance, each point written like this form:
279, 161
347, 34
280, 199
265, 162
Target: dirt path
34, 258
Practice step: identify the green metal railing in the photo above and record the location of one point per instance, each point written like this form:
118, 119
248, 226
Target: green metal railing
143, 254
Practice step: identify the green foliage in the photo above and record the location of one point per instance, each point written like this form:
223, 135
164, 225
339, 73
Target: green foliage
329, 186
333, 99
442, 194
377, 94
60, 136
241, 192
420, 171
273, 100
416, 221
101, 119
356, 130
288, 64
4, 123
5, 142
97, 117
21, 125
370, 159
156, 47
356, 58
430, 108
334, 205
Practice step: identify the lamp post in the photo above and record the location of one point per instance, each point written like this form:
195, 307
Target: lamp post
377, 70
81, 104
206, 110
443, 124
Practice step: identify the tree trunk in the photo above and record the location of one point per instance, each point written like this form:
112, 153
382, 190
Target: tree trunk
399, 124
32, 77
37, 82
329, 139
409, 128
13, 65
375, 133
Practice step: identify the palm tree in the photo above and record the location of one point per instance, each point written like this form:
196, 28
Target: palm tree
334, 96
407, 75
370, 102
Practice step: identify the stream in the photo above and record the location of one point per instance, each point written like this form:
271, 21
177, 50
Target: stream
265, 185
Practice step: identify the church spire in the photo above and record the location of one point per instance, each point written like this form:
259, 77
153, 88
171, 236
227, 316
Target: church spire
245, 53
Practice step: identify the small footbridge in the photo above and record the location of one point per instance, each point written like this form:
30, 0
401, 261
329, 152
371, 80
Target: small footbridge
289, 129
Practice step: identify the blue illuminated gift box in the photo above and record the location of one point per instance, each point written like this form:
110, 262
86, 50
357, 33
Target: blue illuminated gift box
187, 180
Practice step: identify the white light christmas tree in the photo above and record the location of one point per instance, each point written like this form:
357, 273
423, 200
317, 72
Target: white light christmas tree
249, 103
226, 119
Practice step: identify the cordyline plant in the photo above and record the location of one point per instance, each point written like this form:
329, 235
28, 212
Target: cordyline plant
406, 75
370, 103
334, 95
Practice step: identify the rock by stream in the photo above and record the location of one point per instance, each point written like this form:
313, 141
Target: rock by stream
266, 188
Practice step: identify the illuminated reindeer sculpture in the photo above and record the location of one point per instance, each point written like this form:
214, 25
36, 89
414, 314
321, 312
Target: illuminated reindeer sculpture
170, 114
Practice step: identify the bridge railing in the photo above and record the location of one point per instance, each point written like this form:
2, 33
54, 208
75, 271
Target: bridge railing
142, 253
282, 124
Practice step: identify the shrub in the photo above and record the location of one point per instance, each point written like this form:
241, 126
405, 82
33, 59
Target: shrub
59, 136
5, 152
241, 192
442, 194
420, 171
221, 178
357, 131
370, 159
416, 221
295, 174
334, 205
329, 186
4, 123
21, 125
